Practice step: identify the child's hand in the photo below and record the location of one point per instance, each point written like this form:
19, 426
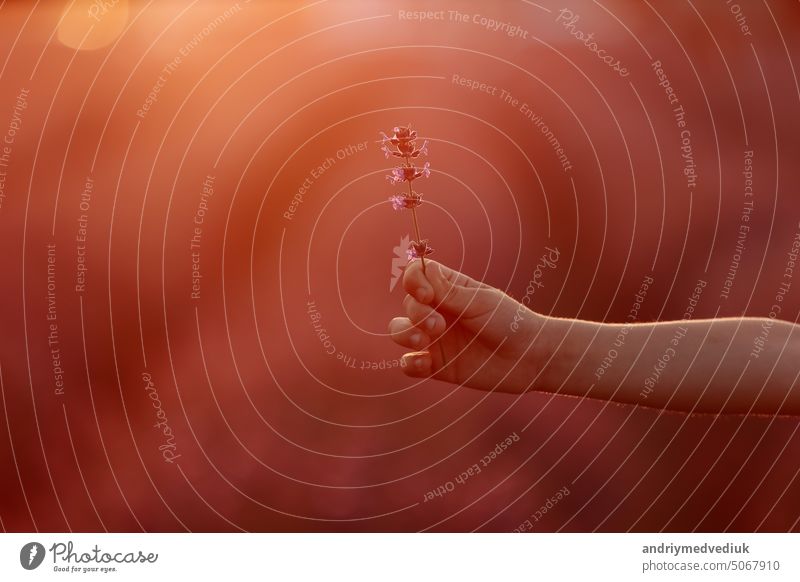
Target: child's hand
462, 332
461, 329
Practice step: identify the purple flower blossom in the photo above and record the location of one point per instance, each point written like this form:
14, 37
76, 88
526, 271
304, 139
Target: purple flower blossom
422, 150
426, 171
396, 176
402, 144
409, 173
398, 202
417, 250
403, 134
408, 201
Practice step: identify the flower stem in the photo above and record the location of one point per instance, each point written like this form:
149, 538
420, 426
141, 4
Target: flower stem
414, 216
407, 163
441, 351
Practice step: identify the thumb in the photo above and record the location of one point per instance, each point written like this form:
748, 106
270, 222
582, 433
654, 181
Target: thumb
448, 290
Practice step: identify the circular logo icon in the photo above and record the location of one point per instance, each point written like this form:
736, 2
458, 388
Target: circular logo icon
31, 555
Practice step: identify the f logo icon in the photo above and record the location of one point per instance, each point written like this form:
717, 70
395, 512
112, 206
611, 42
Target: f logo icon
31, 555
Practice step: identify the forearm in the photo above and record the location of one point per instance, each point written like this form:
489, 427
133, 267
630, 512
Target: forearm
745, 365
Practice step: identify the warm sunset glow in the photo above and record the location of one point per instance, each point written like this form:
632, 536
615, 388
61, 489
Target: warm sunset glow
92, 24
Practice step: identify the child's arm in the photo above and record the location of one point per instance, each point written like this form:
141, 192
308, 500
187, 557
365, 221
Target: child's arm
470, 333
709, 365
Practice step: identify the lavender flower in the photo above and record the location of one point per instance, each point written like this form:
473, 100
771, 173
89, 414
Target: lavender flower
407, 201
402, 144
409, 173
418, 250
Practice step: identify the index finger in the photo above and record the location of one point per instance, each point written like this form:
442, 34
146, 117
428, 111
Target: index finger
416, 282
437, 282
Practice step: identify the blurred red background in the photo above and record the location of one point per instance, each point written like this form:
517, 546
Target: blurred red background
270, 432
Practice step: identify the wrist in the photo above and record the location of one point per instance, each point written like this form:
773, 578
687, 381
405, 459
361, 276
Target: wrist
565, 353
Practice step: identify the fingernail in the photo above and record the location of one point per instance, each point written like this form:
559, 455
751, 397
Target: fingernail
416, 339
416, 361
430, 323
